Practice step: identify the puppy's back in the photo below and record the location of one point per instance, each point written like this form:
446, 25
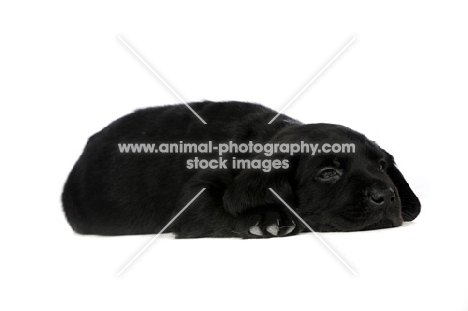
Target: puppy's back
111, 193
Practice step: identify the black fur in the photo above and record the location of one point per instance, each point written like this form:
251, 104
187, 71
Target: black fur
113, 193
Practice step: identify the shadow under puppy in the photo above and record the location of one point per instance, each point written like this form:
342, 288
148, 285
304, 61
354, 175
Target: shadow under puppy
114, 193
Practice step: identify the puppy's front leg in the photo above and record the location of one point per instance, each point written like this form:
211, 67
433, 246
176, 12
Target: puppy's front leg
259, 213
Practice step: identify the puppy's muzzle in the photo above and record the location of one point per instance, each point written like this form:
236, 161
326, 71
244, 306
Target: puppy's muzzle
381, 198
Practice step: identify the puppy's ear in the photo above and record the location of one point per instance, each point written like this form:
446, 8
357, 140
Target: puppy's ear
250, 189
410, 205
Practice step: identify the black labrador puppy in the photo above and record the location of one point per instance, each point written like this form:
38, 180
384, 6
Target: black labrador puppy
111, 191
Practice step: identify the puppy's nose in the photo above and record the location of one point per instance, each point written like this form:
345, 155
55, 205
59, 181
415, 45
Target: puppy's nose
379, 197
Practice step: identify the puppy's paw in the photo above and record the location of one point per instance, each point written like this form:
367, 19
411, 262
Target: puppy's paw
265, 225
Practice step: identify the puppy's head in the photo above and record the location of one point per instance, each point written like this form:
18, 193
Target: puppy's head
340, 191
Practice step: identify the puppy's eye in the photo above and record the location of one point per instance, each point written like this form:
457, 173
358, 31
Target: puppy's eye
383, 165
329, 174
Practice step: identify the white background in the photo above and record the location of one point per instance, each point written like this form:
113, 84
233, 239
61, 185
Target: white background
64, 75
